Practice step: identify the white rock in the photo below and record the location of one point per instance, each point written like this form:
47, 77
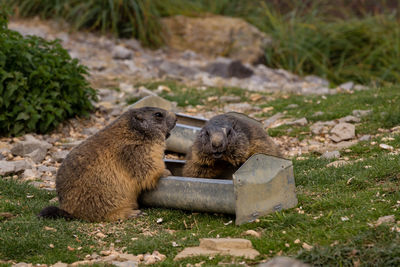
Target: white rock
37, 155
362, 113
9, 167
28, 146
342, 131
337, 164
347, 86
300, 122
283, 262
120, 52
331, 155
350, 119
385, 146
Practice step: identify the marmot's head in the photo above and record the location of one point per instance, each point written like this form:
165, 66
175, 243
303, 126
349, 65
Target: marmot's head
151, 122
221, 141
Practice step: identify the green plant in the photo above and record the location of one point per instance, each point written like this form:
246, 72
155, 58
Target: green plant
40, 85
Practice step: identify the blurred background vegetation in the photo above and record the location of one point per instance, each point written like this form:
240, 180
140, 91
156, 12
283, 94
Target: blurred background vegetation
339, 40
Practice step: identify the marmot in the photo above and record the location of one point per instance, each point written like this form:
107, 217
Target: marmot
100, 179
225, 142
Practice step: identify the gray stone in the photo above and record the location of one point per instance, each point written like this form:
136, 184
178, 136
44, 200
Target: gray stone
362, 113
229, 70
331, 155
268, 122
22, 264
365, 137
317, 80
37, 155
230, 99
44, 168
347, 86
189, 54
240, 107
59, 264
29, 145
350, 119
343, 131
59, 156
292, 106
320, 126
300, 122
120, 52
90, 131
9, 167
125, 263
72, 144
30, 174
359, 87
169, 68
283, 262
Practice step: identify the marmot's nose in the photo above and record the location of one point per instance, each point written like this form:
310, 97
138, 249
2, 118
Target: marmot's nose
217, 140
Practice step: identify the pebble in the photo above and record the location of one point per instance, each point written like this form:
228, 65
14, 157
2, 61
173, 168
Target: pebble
342, 131
120, 52
331, 155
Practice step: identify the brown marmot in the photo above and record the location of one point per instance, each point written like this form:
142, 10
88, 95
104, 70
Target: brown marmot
225, 142
100, 179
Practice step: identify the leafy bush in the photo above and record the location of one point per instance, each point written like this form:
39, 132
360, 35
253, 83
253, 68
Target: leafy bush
40, 85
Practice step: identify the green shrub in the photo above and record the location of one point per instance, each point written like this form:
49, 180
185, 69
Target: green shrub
40, 85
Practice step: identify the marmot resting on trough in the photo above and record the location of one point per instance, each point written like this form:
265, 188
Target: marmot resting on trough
100, 179
225, 142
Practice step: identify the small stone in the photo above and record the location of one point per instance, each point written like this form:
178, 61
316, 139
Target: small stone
159, 220
169, 68
30, 174
342, 131
307, 246
229, 99
72, 144
362, 113
252, 233
365, 137
125, 263
350, 119
240, 107
48, 169
344, 218
101, 235
385, 146
359, 87
300, 122
59, 264
37, 155
90, 131
9, 167
318, 113
337, 164
347, 86
30, 144
283, 262
297, 241
22, 264
271, 120
228, 70
59, 156
120, 52
129, 257
331, 155
385, 219
291, 106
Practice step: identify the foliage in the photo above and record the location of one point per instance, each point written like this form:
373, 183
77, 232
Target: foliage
40, 85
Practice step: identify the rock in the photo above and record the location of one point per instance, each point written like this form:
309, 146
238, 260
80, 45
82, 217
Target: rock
362, 113
385, 146
385, 219
342, 131
252, 233
152, 101
237, 247
331, 155
90, 130
230, 99
125, 263
317, 80
23, 148
72, 144
50, 169
321, 126
173, 69
59, 156
9, 167
5, 145
299, 122
37, 155
291, 106
338, 163
229, 70
268, 122
22, 264
120, 52
59, 264
240, 107
283, 262
347, 86
365, 137
318, 113
30, 174
216, 36
350, 119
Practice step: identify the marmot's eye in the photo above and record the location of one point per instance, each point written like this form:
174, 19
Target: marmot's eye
158, 114
229, 132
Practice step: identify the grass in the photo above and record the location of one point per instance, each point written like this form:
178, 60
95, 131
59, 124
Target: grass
337, 208
341, 41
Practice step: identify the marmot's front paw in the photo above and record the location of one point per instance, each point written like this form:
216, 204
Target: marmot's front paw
166, 173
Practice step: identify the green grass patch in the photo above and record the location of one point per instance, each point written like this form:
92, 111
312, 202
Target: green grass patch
332, 216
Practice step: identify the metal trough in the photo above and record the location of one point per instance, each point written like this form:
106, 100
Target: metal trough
262, 185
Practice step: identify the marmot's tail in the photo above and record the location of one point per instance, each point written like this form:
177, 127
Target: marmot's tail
53, 212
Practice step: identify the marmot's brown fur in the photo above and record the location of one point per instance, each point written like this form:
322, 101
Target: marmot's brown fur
225, 142
100, 179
